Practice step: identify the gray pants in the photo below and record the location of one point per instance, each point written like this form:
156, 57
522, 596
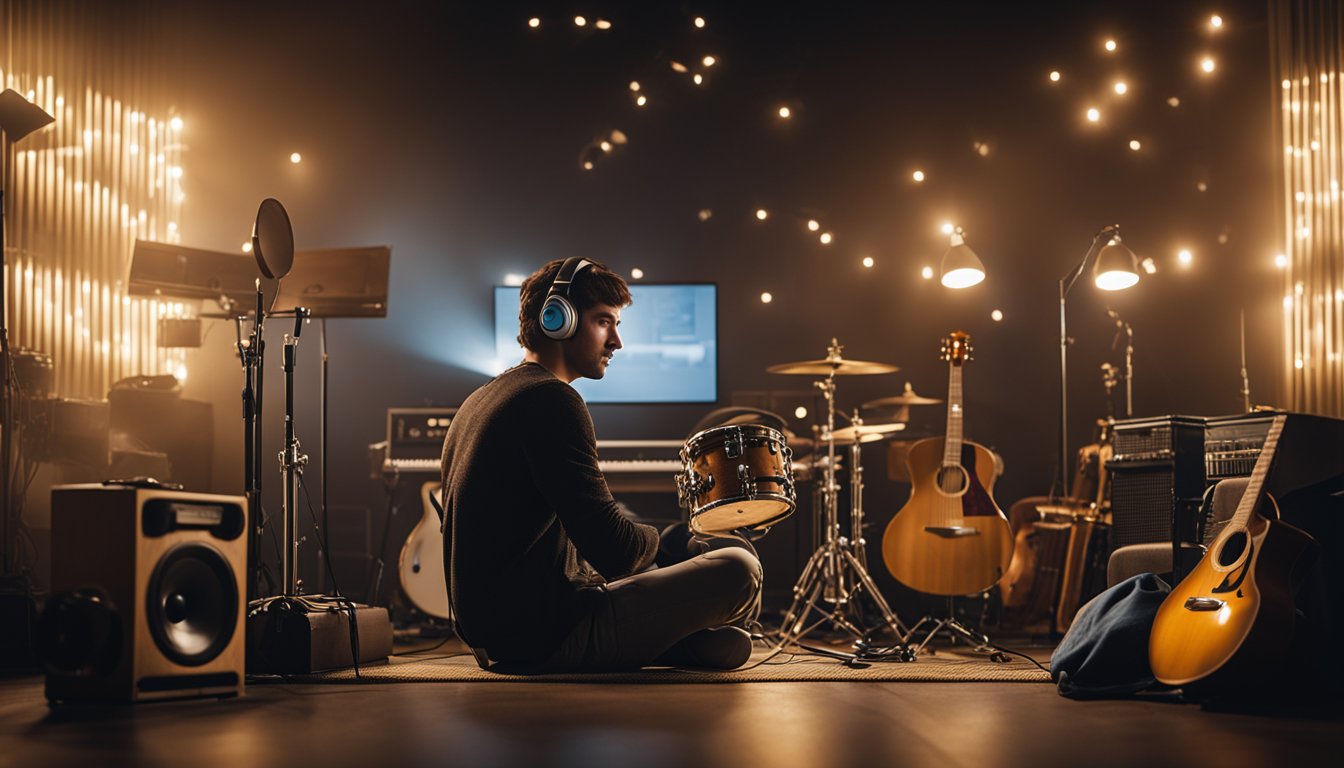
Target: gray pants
636, 620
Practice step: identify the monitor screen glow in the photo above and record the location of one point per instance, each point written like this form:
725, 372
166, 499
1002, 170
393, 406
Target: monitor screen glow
670, 345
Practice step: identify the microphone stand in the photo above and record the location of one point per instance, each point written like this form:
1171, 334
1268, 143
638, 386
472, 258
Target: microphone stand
292, 463
1245, 380
251, 352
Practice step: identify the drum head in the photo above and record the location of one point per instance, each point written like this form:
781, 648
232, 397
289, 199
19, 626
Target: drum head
742, 514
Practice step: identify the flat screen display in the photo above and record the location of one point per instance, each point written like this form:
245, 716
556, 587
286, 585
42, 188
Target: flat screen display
670, 352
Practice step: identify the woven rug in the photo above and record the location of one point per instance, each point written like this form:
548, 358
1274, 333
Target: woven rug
940, 668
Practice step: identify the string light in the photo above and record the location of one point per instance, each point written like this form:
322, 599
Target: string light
1110, 46
766, 298
579, 21
800, 412
697, 78
926, 273
785, 113
1207, 64
825, 238
641, 100
637, 273
704, 214
634, 85
699, 22
1280, 261
709, 61
602, 24
247, 247
996, 315
917, 176
534, 22
1174, 102
1185, 257
762, 214
947, 228
1054, 76
1093, 114
813, 225
176, 123
677, 66
1216, 21
295, 158
1135, 145
868, 262
1121, 88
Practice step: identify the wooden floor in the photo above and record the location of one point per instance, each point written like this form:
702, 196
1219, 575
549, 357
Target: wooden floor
811, 725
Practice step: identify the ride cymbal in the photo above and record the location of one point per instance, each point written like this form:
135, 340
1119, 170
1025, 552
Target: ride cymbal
836, 365
864, 433
906, 398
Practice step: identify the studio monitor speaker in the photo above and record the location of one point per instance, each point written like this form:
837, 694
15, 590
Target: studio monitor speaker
148, 595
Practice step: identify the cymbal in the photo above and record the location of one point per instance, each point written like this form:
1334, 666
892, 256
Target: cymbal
837, 365
908, 397
864, 433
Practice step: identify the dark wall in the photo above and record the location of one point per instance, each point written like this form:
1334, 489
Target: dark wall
454, 136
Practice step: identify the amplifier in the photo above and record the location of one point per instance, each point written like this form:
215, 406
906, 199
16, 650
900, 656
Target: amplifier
1232, 444
417, 433
1157, 479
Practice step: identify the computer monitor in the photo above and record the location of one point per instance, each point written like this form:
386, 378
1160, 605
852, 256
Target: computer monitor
670, 337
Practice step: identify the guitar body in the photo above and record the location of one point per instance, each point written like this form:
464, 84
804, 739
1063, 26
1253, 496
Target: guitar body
948, 543
421, 565
1233, 615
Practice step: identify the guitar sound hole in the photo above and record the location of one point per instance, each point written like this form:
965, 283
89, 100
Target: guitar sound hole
1232, 549
951, 480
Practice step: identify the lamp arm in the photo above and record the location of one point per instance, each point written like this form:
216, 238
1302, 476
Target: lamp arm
1066, 282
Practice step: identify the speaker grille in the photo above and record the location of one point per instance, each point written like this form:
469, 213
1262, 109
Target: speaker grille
1141, 506
192, 604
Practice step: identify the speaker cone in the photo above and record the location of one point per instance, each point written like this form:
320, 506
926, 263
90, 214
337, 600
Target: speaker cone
192, 604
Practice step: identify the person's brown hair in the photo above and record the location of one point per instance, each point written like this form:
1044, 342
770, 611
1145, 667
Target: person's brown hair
594, 284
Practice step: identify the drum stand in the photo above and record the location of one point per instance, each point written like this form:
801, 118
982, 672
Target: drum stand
835, 575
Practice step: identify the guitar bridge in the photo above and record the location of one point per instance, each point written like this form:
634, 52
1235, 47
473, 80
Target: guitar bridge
1203, 604
952, 531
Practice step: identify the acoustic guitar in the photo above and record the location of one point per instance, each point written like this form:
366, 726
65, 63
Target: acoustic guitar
950, 538
421, 564
1233, 615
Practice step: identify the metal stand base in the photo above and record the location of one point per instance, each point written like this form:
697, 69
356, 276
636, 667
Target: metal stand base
979, 641
829, 588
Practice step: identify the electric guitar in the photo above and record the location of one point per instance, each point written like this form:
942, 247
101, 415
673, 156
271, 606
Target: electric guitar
421, 564
950, 538
1234, 612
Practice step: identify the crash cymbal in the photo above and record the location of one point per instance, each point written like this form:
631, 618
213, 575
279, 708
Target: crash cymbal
864, 433
836, 365
908, 397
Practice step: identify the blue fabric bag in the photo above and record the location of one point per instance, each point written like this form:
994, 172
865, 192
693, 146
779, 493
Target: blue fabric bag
1105, 652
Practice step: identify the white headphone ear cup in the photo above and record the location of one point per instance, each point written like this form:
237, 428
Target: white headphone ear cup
558, 318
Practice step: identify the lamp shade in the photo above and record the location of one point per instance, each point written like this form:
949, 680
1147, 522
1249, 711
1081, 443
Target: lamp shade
1116, 268
961, 268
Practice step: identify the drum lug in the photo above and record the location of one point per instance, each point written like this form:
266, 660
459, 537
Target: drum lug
748, 482
733, 445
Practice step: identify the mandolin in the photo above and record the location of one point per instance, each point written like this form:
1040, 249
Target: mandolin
1233, 614
421, 565
950, 538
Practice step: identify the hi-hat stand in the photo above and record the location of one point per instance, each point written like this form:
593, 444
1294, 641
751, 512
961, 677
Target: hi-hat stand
835, 577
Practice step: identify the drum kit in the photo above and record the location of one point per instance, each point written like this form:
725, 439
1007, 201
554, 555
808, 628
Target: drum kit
740, 478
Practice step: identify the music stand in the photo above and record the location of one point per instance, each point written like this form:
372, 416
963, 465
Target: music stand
335, 282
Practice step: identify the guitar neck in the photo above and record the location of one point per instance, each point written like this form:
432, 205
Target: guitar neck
1262, 466
952, 445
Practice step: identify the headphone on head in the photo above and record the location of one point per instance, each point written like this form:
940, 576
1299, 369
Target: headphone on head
559, 318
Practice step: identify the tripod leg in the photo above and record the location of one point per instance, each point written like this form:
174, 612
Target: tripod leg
866, 582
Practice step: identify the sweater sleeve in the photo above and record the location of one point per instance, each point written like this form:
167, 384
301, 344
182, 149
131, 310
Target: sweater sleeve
561, 455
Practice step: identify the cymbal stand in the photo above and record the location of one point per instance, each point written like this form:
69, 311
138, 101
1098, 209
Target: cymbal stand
835, 575
979, 640
292, 463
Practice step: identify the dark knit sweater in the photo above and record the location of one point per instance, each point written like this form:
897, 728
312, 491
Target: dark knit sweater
524, 501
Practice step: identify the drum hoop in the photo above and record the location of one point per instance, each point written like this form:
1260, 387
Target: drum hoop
749, 431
